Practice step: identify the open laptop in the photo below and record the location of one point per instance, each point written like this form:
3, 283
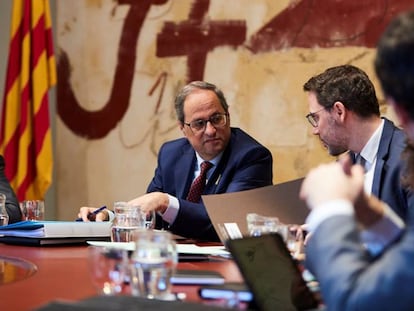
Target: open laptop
271, 274
228, 211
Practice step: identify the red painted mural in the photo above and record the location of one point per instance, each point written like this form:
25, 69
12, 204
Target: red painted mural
304, 24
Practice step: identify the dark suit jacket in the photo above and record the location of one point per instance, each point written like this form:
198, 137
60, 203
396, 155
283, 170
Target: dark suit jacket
350, 279
245, 164
387, 175
12, 204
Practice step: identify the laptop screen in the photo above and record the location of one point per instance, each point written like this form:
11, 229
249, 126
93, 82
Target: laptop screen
227, 211
271, 273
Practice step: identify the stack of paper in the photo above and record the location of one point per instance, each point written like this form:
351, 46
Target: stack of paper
54, 232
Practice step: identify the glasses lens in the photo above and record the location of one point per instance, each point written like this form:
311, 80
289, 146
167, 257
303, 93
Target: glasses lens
198, 125
218, 120
313, 120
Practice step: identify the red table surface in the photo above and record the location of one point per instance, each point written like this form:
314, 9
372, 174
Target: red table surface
62, 275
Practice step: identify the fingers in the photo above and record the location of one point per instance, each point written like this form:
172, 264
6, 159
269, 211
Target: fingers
358, 173
84, 212
346, 162
154, 201
327, 182
87, 214
101, 216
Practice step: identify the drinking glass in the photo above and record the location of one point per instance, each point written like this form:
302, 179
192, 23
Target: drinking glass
4, 217
294, 239
152, 264
33, 209
128, 219
258, 224
149, 219
108, 268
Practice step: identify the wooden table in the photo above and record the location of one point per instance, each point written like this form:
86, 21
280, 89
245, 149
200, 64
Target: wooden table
62, 275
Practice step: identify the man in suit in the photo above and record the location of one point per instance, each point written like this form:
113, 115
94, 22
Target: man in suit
349, 277
12, 204
238, 162
345, 115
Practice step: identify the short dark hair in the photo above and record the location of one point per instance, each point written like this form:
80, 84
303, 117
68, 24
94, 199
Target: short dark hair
394, 62
189, 88
347, 84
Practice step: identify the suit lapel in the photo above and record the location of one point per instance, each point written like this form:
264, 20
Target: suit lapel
224, 164
184, 170
383, 151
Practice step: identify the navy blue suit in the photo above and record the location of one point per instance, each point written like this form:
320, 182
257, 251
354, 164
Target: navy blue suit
387, 175
245, 164
349, 277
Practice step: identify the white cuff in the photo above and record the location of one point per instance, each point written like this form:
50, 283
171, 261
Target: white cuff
327, 210
172, 210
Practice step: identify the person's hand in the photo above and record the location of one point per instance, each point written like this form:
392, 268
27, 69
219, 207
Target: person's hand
154, 201
331, 182
86, 213
368, 209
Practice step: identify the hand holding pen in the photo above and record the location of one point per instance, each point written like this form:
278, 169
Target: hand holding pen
91, 215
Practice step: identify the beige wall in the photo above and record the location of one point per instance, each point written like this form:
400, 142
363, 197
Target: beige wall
264, 91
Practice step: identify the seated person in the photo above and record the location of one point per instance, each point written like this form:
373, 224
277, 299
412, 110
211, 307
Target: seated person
12, 204
349, 277
345, 115
236, 162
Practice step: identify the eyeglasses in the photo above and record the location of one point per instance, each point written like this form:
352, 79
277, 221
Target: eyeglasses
216, 120
313, 117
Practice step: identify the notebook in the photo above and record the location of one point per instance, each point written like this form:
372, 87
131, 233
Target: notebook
46, 232
271, 274
228, 211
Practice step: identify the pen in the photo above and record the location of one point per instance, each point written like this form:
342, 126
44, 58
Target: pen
93, 213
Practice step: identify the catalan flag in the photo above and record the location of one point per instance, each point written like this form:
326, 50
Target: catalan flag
25, 135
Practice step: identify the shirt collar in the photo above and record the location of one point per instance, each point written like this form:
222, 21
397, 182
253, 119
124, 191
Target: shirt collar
212, 161
370, 150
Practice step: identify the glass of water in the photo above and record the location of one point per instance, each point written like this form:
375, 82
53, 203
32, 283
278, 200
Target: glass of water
127, 220
4, 217
108, 268
152, 264
258, 224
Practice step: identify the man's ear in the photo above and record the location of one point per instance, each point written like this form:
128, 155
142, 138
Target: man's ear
181, 126
339, 110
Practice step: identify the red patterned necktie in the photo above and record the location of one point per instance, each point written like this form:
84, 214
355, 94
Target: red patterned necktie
197, 187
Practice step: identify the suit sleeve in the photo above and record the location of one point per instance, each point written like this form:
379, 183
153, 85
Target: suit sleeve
12, 204
350, 279
253, 170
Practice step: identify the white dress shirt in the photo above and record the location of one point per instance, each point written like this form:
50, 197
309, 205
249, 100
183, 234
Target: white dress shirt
382, 233
174, 205
369, 153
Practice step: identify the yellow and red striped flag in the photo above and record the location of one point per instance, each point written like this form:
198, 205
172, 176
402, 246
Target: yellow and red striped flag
25, 134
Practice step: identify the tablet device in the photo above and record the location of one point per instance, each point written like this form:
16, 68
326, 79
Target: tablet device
227, 291
271, 273
196, 277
